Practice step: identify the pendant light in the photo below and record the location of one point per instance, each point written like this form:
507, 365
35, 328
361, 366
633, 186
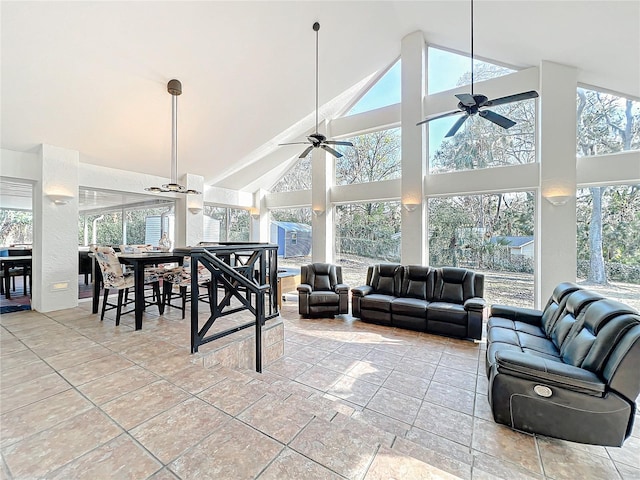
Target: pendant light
174, 87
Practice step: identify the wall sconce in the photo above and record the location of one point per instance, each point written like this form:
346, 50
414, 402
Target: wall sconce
410, 207
318, 212
195, 210
60, 198
558, 200
255, 213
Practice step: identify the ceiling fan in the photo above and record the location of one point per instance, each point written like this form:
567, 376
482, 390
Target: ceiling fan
470, 104
318, 140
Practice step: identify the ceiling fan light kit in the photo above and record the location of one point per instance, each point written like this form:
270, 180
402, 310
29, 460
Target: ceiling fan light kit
318, 140
174, 87
470, 104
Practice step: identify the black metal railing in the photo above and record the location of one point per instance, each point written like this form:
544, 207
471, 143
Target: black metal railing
241, 271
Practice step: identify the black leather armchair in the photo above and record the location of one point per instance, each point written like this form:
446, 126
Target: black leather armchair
321, 291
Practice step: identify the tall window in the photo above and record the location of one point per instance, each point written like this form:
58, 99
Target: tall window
366, 233
608, 246
606, 123
493, 234
375, 156
482, 144
290, 229
232, 223
16, 226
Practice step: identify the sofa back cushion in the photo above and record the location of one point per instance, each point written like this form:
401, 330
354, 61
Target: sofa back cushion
454, 285
595, 334
575, 304
386, 278
417, 282
321, 276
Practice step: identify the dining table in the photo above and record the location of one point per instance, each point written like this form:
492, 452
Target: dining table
14, 261
138, 262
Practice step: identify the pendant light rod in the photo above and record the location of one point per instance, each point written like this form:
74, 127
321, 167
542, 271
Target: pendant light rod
174, 129
174, 87
316, 27
472, 57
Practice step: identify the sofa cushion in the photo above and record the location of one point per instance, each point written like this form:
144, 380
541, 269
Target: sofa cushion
324, 298
453, 285
447, 312
417, 282
386, 278
498, 322
409, 306
377, 301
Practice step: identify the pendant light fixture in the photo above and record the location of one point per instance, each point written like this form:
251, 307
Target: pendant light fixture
174, 87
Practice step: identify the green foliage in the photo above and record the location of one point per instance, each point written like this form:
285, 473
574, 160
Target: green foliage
369, 230
466, 230
234, 223
16, 226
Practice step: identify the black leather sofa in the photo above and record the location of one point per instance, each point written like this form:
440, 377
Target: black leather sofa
570, 371
321, 291
446, 301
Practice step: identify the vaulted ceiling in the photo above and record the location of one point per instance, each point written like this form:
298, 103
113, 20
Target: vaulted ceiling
91, 76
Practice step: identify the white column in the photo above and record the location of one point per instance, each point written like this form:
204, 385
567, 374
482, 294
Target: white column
189, 219
55, 231
322, 178
260, 218
413, 50
556, 224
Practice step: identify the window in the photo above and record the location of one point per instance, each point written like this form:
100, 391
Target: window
447, 70
291, 231
17, 226
482, 144
233, 223
375, 156
366, 233
384, 92
608, 242
297, 178
606, 123
492, 234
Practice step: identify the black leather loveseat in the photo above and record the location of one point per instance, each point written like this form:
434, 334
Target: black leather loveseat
571, 371
446, 301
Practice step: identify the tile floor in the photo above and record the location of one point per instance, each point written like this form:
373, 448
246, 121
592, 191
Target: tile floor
80, 398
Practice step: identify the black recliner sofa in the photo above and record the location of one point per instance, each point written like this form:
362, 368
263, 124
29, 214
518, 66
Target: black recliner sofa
570, 371
446, 301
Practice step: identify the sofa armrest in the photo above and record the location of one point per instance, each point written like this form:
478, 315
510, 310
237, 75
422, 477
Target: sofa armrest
341, 288
475, 303
520, 314
362, 291
304, 288
549, 372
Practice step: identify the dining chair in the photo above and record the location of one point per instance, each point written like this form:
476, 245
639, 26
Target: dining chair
114, 278
179, 278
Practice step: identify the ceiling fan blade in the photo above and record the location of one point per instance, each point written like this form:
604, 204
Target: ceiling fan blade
331, 151
293, 143
504, 122
466, 99
511, 98
333, 142
306, 151
456, 126
441, 115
